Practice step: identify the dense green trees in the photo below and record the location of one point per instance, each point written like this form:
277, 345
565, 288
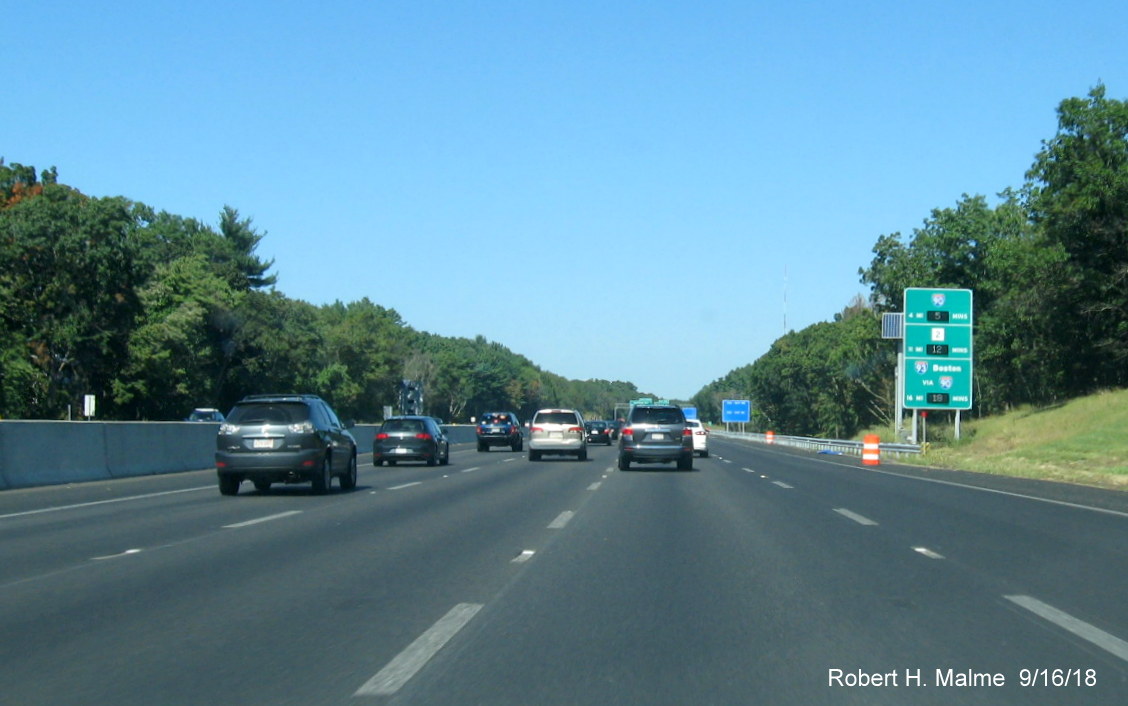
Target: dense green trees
1049, 268
155, 314
829, 379
1079, 198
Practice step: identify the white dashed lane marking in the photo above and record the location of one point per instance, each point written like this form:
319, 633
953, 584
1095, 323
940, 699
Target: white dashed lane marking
561, 520
392, 677
1109, 643
855, 516
268, 518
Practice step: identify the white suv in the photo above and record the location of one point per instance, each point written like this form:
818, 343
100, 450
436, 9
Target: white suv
557, 431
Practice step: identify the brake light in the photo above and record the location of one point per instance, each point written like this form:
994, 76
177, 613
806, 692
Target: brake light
424, 435
626, 431
381, 436
537, 429
576, 430
687, 432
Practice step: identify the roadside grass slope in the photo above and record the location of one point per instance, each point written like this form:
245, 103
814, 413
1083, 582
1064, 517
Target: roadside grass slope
1081, 441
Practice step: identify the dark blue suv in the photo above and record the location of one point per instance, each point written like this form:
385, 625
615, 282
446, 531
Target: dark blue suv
500, 429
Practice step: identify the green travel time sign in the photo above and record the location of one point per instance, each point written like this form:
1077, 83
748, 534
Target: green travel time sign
938, 348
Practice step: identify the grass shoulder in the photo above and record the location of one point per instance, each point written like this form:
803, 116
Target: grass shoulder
1082, 441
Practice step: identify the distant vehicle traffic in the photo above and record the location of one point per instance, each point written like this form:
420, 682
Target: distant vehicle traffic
205, 414
656, 434
500, 429
410, 438
598, 432
557, 431
700, 437
284, 439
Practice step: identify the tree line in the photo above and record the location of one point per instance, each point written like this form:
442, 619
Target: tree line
1048, 264
155, 314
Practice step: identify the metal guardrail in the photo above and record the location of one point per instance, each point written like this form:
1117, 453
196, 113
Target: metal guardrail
840, 446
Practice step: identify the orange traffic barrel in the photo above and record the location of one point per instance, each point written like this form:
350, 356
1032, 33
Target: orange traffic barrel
770, 437
871, 450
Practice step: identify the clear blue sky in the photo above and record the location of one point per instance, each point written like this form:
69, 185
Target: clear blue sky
639, 191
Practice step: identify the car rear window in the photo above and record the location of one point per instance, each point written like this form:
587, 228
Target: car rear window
556, 418
269, 413
657, 415
401, 425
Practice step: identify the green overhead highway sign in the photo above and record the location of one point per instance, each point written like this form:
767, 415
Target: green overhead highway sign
938, 348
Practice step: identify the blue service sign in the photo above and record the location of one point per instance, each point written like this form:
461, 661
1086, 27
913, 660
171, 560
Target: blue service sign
690, 412
736, 411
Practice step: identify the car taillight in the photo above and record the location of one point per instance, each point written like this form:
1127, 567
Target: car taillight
381, 436
576, 430
626, 431
425, 436
537, 429
687, 432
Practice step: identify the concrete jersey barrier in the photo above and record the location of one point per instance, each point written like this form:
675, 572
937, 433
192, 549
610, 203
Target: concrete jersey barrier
34, 453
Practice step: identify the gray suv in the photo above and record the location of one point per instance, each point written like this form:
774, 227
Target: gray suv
284, 439
656, 434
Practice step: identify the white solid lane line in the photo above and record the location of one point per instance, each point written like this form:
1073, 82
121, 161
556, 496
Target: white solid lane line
105, 502
268, 518
392, 677
1109, 643
854, 516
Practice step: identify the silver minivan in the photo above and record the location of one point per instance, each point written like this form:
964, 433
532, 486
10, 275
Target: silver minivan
557, 431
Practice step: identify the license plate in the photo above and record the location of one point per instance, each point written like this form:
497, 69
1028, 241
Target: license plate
400, 450
555, 435
263, 444
658, 437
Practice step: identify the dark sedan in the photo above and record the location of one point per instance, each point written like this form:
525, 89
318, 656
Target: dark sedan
598, 432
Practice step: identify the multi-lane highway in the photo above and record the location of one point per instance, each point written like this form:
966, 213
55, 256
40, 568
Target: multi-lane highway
764, 576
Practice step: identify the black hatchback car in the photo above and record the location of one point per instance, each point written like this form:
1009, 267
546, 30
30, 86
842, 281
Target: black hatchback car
270, 439
410, 438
